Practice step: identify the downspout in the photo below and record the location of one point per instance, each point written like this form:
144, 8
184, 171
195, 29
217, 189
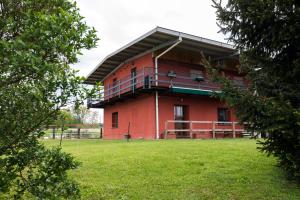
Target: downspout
156, 84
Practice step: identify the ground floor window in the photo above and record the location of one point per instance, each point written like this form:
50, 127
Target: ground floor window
223, 115
115, 120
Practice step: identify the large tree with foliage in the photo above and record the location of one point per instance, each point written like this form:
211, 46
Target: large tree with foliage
39, 39
267, 33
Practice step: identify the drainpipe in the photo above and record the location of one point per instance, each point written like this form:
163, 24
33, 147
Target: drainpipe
156, 84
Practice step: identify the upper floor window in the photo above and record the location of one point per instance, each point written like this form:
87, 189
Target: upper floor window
115, 120
115, 82
197, 75
133, 78
223, 115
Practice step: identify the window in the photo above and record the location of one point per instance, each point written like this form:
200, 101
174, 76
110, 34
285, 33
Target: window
115, 120
223, 115
178, 113
115, 88
196, 74
133, 78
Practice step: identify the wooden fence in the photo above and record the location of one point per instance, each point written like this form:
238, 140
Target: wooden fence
78, 131
214, 127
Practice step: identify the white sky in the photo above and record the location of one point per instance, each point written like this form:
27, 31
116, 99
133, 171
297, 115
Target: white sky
118, 22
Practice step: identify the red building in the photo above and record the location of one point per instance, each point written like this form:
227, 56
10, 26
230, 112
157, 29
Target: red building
156, 87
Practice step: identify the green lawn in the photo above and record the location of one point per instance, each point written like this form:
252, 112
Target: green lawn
177, 169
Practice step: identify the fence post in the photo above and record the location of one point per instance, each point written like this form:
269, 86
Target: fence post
213, 129
166, 129
233, 129
53, 132
101, 132
191, 129
78, 133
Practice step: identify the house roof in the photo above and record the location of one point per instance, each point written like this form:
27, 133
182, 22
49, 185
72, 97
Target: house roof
153, 40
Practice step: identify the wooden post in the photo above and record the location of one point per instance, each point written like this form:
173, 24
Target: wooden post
233, 129
191, 129
166, 129
78, 133
101, 132
53, 132
213, 129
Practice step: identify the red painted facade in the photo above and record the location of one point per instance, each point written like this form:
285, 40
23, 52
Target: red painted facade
144, 62
157, 87
136, 115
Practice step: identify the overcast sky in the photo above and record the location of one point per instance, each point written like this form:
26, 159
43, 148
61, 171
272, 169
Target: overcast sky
118, 22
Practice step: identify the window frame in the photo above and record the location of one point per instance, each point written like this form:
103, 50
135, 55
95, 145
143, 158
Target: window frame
115, 120
226, 114
196, 73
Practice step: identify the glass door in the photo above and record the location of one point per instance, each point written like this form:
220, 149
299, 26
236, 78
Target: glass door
180, 114
133, 79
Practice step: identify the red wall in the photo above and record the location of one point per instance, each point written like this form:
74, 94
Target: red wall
199, 108
140, 112
184, 68
124, 71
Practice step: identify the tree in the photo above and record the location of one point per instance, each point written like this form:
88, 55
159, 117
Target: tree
267, 35
94, 119
38, 41
80, 113
67, 116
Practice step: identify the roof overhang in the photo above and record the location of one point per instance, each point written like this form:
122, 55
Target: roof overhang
156, 39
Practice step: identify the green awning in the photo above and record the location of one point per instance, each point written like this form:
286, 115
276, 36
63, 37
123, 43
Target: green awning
191, 91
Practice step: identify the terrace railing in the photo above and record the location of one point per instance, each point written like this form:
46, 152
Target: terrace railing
184, 80
142, 79
145, 79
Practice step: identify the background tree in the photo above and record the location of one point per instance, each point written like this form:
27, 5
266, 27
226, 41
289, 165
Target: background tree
80, 113
94, 117
267, 33
38, 41
68, 116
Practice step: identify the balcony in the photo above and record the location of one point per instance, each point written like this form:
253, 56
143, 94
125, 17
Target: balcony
146, 80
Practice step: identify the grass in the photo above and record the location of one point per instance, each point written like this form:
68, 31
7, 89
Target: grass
177, 169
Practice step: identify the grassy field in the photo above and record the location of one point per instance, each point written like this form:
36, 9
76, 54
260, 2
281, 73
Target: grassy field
177, 169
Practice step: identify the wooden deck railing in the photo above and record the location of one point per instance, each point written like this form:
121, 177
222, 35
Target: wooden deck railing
214, 127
